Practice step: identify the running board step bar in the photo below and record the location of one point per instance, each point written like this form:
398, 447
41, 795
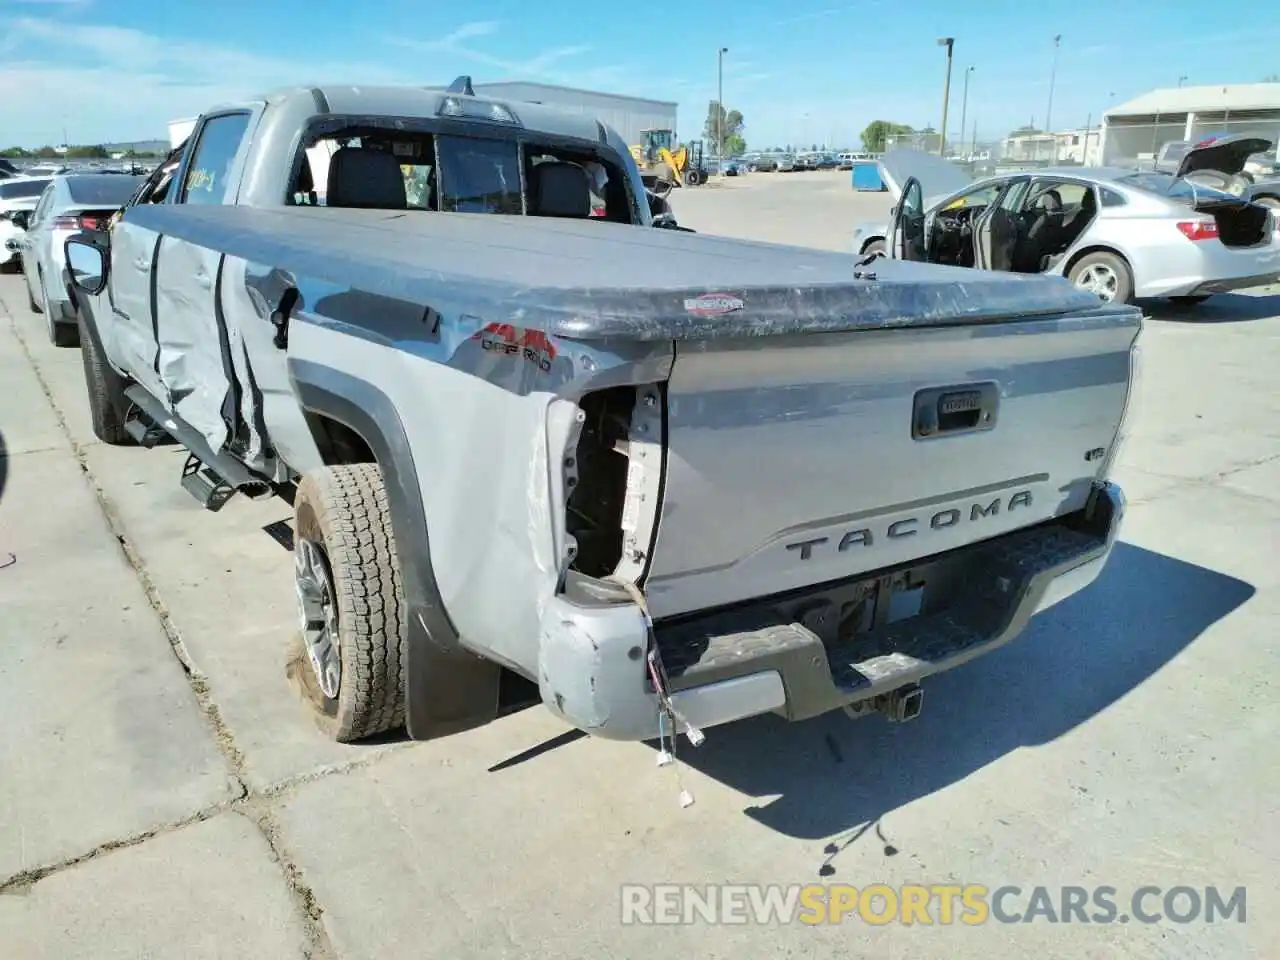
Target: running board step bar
210, 477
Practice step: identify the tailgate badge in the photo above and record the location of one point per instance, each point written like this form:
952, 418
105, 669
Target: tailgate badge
713, 304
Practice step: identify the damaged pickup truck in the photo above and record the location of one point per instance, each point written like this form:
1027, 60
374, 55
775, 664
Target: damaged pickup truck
647, 476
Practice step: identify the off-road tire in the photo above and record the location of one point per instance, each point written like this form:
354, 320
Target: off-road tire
106, 390
344, 510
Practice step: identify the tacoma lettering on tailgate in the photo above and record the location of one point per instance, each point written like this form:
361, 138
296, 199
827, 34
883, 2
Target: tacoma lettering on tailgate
910, 526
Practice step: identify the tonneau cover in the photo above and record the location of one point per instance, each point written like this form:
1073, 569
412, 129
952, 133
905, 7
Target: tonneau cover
591, 279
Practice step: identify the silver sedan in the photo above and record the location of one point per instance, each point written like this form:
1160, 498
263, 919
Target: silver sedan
1120, 233
68, 205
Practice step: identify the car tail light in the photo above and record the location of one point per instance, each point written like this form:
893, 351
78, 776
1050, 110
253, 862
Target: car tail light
1199, 229
83, 221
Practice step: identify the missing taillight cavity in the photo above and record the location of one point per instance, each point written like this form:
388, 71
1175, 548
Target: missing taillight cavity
594, 509
617, 474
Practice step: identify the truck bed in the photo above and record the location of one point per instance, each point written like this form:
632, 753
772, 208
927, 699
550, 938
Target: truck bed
594, 280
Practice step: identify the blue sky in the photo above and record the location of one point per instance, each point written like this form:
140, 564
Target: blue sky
802, 71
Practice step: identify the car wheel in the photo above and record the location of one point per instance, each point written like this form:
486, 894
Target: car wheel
106, 390
1105, 274
351, 601
875, 246
1191, 300
61, 333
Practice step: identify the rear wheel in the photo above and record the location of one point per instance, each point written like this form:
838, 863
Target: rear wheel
351, 601
1105, 274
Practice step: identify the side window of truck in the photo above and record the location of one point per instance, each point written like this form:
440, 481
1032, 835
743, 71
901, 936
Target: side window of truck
209, 170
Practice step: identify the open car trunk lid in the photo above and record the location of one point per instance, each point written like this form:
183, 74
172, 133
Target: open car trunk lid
800, 460
1226, 154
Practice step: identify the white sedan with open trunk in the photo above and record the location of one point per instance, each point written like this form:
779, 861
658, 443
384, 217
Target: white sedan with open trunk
1121, 234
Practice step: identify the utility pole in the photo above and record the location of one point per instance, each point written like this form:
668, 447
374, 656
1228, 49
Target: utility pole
949, 43
720, 111
964, 105
1053, 75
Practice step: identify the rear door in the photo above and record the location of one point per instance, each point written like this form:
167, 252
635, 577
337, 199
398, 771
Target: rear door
906, 233
31, 243
195, 359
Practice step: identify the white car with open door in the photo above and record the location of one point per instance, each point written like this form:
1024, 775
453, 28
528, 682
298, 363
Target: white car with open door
1120, 233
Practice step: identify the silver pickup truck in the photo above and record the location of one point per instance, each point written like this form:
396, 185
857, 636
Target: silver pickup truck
539, 446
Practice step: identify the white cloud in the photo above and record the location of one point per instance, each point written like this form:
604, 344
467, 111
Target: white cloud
106, 83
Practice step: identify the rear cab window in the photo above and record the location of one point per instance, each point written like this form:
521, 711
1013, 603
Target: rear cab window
456, 173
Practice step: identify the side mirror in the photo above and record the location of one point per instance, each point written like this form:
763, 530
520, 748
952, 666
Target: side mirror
87, 264
658, 205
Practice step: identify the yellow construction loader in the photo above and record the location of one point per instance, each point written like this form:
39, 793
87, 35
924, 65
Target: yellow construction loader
665, 164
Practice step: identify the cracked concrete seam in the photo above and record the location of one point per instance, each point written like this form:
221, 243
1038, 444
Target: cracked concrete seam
318, 946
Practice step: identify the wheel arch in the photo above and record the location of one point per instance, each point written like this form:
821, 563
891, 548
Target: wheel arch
448, 689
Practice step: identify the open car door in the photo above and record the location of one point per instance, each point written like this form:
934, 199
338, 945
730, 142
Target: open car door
906, 232
995, 233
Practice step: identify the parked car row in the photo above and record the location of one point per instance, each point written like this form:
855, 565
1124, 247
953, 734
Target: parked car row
37, 215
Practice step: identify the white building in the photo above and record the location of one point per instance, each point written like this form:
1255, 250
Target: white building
628, 115
1137, 129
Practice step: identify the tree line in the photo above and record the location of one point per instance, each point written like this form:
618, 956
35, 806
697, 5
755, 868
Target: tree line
94, 151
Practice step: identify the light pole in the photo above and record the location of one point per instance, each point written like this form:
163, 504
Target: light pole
720, 112
964, 105
1053, 73
949, 43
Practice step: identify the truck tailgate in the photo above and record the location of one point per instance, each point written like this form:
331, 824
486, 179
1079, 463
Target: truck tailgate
799, 460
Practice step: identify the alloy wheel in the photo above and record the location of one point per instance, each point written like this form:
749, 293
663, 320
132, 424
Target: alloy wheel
318, 612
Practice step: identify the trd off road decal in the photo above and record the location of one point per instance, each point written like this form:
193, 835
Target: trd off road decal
503, 338
713, 304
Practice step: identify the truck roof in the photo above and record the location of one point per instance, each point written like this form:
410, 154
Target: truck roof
413, 101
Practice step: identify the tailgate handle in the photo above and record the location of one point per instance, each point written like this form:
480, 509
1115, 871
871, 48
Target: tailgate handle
949, 411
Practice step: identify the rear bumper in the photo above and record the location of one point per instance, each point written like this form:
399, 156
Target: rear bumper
1236, 283
725, 666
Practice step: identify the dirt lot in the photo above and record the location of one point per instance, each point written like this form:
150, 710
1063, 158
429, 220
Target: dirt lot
163, 793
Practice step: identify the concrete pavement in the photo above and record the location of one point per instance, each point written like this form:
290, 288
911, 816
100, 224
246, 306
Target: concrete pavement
163, 793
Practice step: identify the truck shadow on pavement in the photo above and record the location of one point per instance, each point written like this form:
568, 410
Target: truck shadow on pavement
1221, 308
4, 464
834, 775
